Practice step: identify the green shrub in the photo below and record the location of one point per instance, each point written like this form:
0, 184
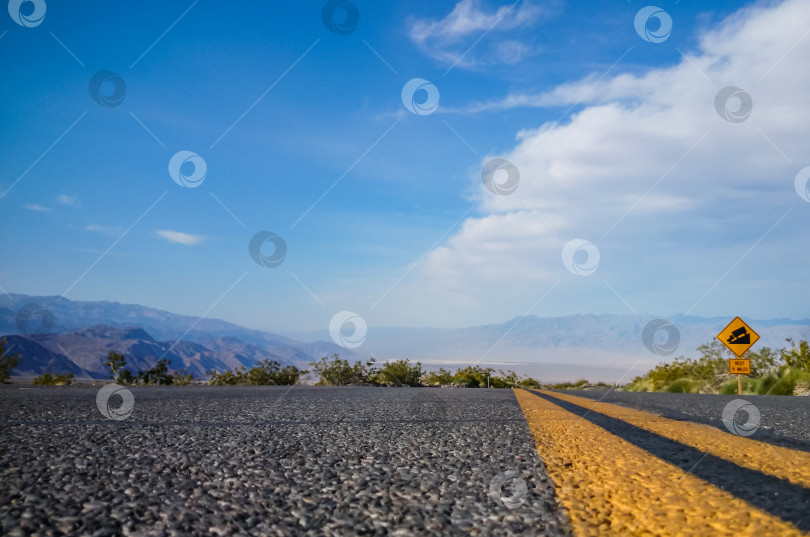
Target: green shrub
399, 373
228, 378
774, 372
473, 376
157, 374
46, 379
338, 372
578, 385
270, 372
499, 382
116, 363
442, 377
729, 388
689, 385
125, 376
182, 379
507, 379
798, 356
682, 385
640, 384
468, 382
750, 386
788, 382
7, 362
708, 369
529, 382
266, 372
768, 383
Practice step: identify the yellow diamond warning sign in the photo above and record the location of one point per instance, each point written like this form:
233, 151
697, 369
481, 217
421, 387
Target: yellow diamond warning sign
738, 336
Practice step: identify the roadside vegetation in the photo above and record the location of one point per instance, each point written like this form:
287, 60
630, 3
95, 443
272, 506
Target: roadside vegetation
331, 371
580, 384
266, 372
46, 379
10, 361
784, 371
336, 371
158, 374
339, 372
7, 362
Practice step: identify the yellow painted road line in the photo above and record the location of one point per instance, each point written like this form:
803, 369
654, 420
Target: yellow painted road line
611, 487
778, 461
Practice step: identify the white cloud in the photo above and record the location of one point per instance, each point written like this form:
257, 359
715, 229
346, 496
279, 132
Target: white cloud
179, 237
648, 171
67, 199
36, 207
449, 39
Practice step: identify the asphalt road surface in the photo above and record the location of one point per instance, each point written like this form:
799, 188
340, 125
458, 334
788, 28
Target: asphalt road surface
270, 461
624, 471
783, 420
397, 461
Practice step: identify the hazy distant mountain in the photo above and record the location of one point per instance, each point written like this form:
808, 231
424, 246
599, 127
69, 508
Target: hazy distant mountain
233, 351
84, 352
72, 315
598, 347
84, 332
615, 333
38, 359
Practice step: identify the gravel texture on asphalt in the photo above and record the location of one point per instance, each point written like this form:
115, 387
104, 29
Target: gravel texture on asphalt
270, 461
784, 420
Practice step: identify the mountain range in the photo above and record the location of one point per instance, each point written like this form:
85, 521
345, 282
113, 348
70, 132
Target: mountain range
78, 335
56, 335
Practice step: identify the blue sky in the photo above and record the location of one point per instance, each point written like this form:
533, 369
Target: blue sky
616, 140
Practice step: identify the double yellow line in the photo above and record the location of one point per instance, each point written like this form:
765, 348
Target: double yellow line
611, 486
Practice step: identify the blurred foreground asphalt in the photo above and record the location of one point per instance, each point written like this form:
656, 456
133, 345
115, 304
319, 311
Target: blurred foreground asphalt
270, 461
398, 461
